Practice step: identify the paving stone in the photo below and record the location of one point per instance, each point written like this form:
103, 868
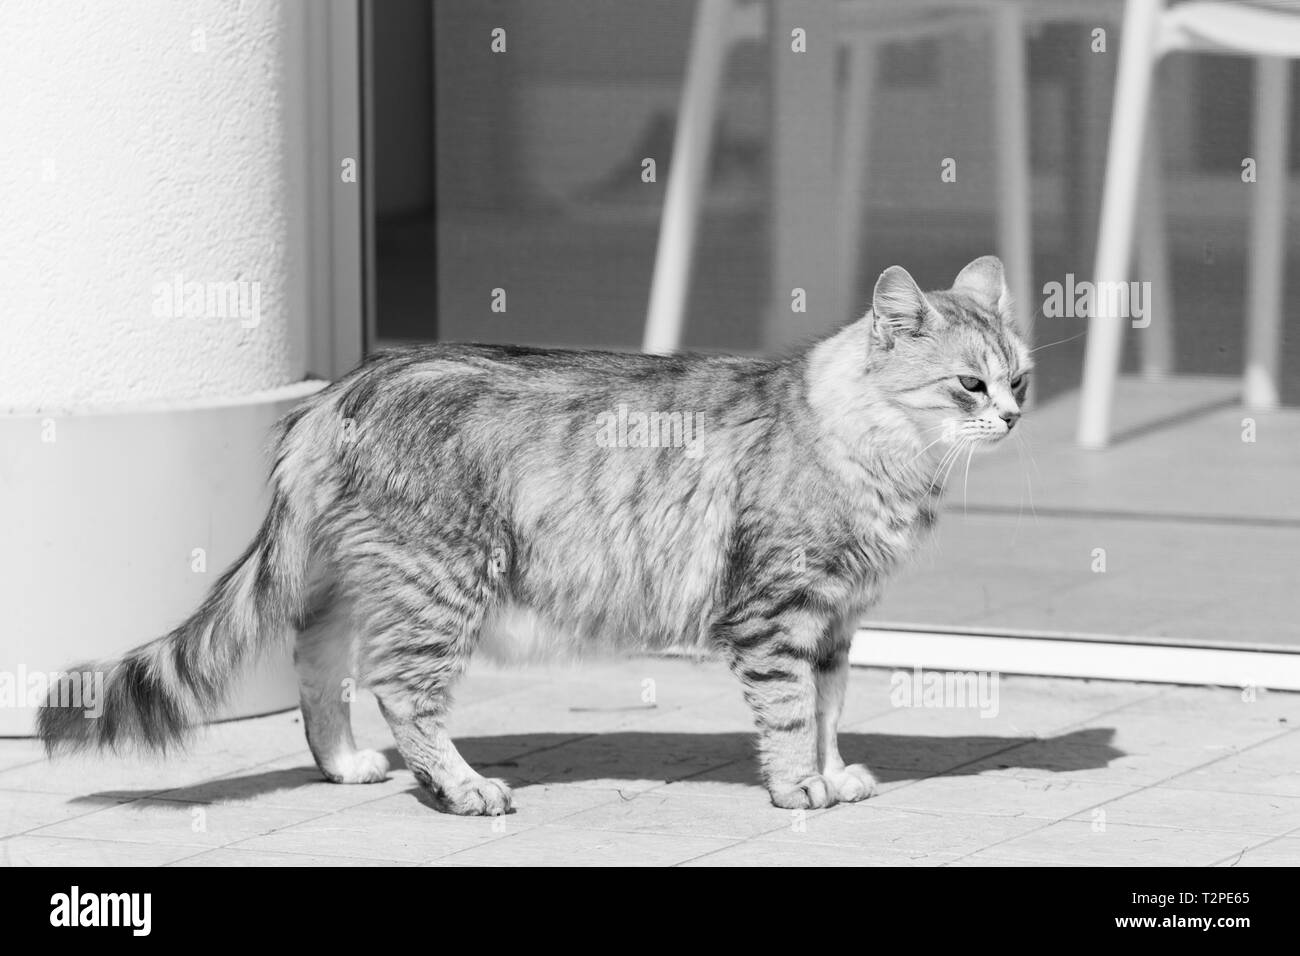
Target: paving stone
236, 857
570, 846
1265, 814
53, 851
1079, 843
651, 761
364, 834
171, 822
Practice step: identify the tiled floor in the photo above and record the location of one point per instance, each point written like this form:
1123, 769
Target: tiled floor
648, 761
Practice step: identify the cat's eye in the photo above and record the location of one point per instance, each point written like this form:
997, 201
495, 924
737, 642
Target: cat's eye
971, 383
1018, 381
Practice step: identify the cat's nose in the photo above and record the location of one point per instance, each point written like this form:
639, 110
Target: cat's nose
1010, 418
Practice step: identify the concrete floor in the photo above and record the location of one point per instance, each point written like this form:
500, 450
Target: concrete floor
648, 762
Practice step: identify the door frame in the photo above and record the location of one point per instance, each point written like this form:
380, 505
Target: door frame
339, 239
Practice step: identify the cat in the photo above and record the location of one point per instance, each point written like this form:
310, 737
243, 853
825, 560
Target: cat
524, 502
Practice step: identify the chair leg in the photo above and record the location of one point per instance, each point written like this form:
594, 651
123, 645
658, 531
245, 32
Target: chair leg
855, 155
1267, 231
1156, 337
692, 147
1015, 178
1138, 56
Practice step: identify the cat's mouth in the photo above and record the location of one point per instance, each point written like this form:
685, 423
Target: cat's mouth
981, 433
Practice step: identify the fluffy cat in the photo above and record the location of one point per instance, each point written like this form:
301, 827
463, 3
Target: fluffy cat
449, 498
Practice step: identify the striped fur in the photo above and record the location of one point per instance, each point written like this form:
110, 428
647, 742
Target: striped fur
445, 499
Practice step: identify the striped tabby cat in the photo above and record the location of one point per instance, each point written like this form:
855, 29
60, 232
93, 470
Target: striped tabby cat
522, 502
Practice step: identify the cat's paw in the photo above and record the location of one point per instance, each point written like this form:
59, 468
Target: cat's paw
810, 793
477, 797
363, 766
852, 783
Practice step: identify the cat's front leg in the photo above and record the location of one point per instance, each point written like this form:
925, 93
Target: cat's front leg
852, 782
776, 663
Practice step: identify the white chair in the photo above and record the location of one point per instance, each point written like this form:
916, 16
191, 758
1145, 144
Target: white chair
866, 25
1270, 32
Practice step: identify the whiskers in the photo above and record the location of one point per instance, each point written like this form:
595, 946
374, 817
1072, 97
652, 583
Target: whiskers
946, 431
965, 485
1022, 449
1058, 342
950, 459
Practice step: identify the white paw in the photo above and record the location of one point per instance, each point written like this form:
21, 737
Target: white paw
810, 793
476, 797
363, 766
852, 783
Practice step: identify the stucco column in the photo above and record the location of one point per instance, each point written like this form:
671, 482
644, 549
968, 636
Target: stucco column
153, 310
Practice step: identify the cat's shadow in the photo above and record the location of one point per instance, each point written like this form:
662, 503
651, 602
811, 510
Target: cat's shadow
728, 758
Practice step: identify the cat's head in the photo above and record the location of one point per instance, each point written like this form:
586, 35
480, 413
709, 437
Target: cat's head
952, 362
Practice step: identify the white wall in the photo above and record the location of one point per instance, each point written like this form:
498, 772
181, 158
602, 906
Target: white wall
139, 141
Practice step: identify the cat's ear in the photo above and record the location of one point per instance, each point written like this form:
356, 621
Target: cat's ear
985, 281
898, 306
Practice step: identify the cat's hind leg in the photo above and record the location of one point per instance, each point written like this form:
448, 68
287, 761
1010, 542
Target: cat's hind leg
419, 640
455, 786
327, 681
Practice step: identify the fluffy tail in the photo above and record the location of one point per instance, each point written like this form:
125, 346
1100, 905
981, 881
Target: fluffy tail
156, 692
